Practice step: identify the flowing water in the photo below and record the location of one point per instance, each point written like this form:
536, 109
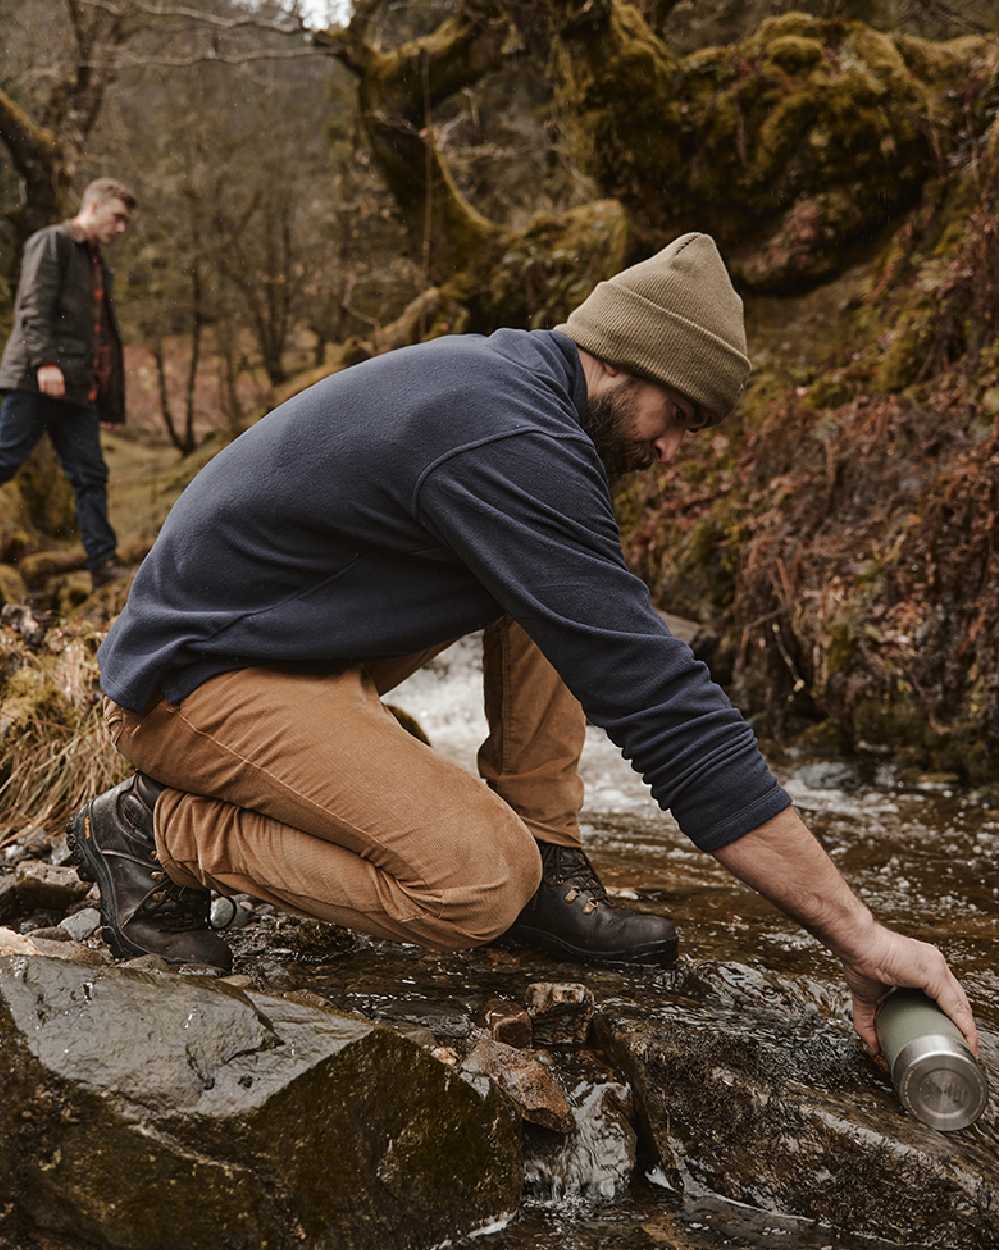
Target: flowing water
920, 851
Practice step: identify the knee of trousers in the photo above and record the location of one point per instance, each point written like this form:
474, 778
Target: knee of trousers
491, 907
87, 479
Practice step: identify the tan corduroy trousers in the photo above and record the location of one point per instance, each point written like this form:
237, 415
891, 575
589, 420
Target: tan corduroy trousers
304, 791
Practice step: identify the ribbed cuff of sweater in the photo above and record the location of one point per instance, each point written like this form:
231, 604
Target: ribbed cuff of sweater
739, 823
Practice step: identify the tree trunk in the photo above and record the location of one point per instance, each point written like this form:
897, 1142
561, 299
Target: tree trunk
397, 93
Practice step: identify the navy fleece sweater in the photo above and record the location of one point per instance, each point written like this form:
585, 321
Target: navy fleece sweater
413, 499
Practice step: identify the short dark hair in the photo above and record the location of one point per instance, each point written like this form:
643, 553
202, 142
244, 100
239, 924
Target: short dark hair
103, 189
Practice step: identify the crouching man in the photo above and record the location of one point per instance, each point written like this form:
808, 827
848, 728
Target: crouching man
458, 485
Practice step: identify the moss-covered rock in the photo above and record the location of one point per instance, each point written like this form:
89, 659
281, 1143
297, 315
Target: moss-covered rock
796, 146
12, 587
253, 1120
47, 495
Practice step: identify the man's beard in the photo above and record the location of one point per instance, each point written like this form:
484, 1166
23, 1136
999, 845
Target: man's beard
609, 420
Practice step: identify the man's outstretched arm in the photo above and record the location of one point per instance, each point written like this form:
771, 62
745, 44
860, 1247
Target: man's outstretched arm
783, 861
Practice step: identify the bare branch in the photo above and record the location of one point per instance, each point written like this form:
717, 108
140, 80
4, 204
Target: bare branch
217, 58
197, 15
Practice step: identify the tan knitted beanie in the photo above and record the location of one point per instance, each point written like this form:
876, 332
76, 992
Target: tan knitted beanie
673, 318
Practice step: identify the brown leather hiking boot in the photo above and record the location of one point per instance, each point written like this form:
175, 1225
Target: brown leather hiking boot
143, 911
571, 917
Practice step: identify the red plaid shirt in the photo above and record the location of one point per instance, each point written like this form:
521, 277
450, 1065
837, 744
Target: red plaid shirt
102, 336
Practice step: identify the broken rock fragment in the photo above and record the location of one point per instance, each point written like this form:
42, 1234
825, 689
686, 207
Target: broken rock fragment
532, 1086
560, 1013
508, 1022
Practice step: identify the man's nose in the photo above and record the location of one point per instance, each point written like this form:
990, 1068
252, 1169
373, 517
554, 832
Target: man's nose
668, 446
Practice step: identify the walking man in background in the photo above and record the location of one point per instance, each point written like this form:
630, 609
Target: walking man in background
342, 541
62, 370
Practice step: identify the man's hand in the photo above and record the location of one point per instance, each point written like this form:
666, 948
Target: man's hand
890, 960
783, 861
51, 381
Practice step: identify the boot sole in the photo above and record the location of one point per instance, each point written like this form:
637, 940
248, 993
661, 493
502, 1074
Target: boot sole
90, 866
662, 955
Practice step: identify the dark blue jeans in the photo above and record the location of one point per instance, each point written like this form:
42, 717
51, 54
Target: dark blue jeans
75, 432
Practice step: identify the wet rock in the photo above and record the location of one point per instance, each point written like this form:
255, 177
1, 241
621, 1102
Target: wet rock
533, 1088
795, 1121
12, 943
50, 933
38, 921
560, 1013
508, 1022
735, 985
230, 913
9, 905
42, 885
64, 947
82, 923
148, 963
417, 1034
309, 998
253, 1120
444, 1019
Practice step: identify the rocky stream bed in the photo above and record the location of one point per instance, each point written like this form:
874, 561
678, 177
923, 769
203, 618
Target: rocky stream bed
341, 1092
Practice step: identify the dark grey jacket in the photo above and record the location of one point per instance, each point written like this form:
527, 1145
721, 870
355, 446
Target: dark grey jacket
54, 321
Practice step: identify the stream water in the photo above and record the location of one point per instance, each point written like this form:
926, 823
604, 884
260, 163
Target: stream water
920, 851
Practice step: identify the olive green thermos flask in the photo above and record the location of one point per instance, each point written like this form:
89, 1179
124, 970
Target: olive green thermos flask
935, 1075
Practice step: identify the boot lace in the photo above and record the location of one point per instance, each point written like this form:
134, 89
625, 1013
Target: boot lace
177, 907
565, 866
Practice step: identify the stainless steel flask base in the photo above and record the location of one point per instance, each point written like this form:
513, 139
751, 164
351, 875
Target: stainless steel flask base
939, 1082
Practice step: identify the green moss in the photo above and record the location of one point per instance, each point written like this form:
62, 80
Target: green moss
47, 494
790, 25
733, 139
829, 391
877, 52
906, 354
827, 737
943, 63
793, 52
12, 587
551, 267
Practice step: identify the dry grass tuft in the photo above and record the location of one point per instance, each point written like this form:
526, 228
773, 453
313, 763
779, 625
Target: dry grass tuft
54, 753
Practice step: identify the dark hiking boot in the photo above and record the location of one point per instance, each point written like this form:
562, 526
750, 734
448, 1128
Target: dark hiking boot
143, 912
106, 573
570, 916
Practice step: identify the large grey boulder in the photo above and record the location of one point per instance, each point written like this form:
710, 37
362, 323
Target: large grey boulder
787, 1115
153, 1112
